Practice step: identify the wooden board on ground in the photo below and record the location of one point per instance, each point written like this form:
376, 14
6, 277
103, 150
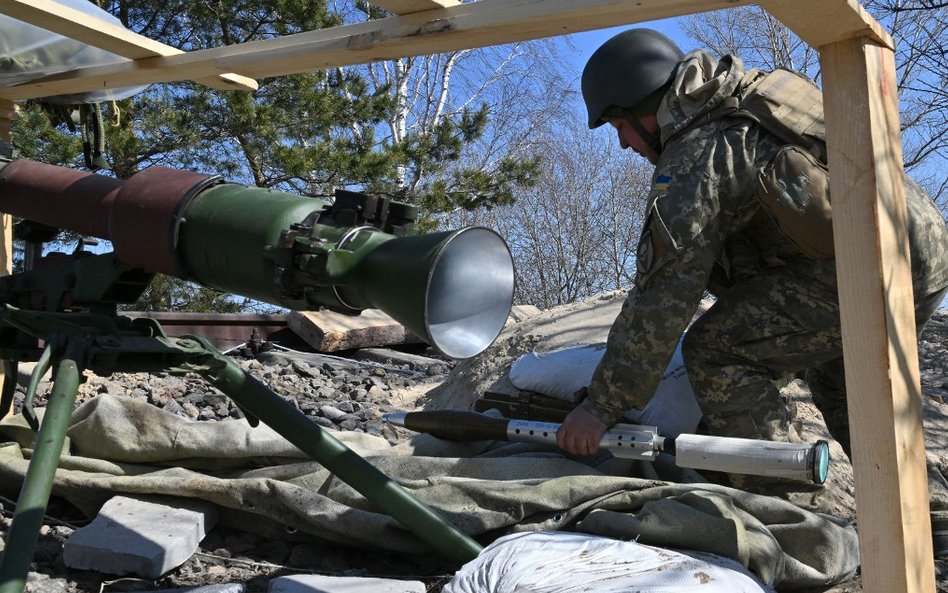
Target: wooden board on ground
326, 331
387, 356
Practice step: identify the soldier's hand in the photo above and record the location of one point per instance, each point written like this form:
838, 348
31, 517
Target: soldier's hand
580, 433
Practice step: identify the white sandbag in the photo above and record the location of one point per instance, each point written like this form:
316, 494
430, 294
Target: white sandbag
561, 373
558, 373
563, 562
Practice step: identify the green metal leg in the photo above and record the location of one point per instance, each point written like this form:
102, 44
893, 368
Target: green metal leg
258, 399
34, 495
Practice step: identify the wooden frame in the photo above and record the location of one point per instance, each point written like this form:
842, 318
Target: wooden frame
865, 159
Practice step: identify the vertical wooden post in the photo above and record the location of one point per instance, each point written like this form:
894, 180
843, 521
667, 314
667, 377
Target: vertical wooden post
7, 113
878, 324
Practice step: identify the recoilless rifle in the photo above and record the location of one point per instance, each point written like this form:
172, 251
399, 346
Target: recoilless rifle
453, 289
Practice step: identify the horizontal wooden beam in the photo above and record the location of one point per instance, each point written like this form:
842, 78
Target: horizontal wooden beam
475, 24
107, 36
412, 6
822, 22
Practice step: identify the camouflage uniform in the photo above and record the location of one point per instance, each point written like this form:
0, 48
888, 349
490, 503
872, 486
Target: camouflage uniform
777, 309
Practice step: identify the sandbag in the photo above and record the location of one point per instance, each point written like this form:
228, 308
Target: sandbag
562, 562
561, 373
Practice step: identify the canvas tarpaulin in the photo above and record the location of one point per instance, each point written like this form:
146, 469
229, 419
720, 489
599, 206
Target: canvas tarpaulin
121, 445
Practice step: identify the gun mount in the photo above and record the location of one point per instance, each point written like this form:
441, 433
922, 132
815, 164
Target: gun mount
453, 289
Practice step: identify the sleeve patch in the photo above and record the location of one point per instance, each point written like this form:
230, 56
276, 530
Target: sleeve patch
656, 247
662, 183
645, 254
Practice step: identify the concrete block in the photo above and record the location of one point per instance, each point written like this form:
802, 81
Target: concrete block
324, 584
147, 535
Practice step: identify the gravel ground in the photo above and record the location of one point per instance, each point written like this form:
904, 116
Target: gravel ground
339, 394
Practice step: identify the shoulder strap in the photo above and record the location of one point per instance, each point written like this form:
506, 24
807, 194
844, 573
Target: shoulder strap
784, 103
727, 107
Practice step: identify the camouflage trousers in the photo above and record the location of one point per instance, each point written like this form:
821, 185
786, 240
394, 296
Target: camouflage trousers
780, 322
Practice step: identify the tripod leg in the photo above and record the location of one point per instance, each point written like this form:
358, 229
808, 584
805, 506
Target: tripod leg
34, 494
258, 399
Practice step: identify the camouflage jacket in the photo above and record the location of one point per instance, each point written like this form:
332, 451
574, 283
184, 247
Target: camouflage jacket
706, 231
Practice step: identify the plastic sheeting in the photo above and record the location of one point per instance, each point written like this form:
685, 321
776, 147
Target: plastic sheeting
559, 562
28, 52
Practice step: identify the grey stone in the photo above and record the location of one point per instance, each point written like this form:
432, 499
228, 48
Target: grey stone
324, 422
147, 536
41, 583
191, 410
331, 412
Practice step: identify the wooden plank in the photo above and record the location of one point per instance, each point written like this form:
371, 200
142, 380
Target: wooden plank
875, 291
412, 6
107, 36
327, 331
487, 22
821, 22
7, 114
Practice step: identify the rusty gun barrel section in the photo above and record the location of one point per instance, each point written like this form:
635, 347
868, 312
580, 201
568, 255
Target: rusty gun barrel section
140, 216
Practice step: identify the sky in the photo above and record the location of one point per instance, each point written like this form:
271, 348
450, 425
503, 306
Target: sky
586, 43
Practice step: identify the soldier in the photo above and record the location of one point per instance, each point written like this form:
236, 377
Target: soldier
739, 207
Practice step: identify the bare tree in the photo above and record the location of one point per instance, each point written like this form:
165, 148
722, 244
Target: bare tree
574, 234
754, 35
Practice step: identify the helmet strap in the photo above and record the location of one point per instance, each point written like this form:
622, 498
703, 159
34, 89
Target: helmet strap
654, 142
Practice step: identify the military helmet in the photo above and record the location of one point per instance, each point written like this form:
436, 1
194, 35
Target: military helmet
627, 69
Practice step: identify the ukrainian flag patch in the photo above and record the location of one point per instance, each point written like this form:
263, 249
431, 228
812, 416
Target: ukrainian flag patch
661, 183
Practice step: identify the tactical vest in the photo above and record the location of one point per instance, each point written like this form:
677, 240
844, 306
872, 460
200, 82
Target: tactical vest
793, 188
788, 106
